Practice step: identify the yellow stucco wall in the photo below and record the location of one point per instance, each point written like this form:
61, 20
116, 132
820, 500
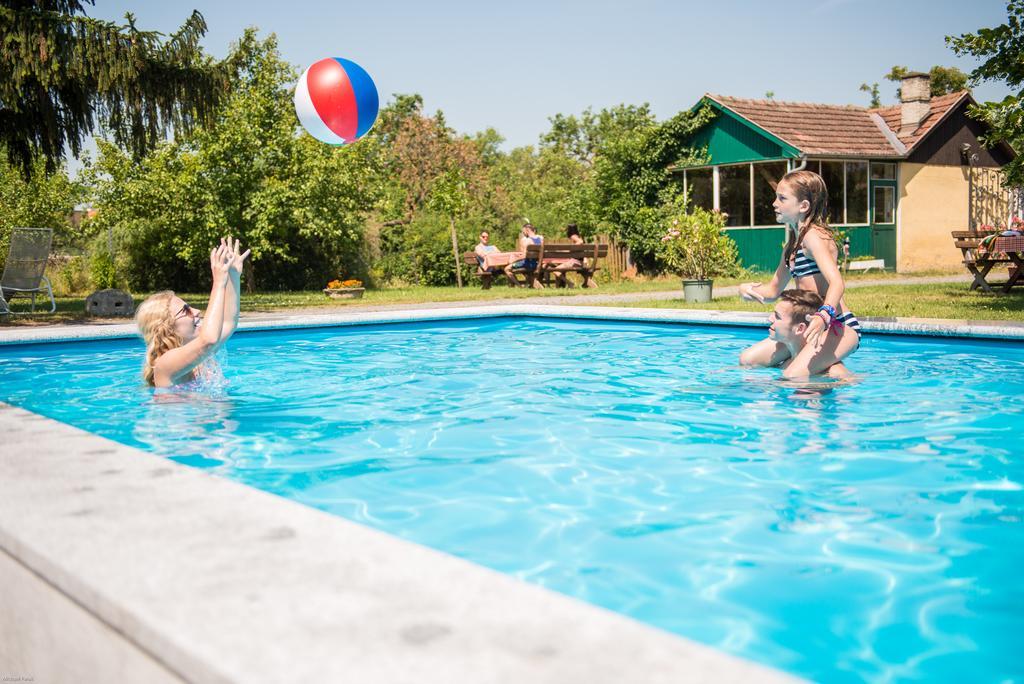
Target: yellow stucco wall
932, 203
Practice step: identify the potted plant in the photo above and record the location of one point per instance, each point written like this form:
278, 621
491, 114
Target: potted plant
696, 248
344, 289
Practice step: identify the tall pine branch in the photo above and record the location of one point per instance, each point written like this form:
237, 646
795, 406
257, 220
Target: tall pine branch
62, 74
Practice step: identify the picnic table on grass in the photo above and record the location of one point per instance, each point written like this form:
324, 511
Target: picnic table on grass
982, 252
565, 258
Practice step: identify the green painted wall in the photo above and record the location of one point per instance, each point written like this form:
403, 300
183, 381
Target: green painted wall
729, 141
761, 248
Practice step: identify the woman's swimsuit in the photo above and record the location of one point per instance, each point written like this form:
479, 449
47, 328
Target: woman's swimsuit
804, 265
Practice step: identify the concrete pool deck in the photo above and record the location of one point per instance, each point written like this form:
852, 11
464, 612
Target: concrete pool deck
119, 565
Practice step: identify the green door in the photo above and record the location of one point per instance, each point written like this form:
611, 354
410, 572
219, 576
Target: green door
883, 220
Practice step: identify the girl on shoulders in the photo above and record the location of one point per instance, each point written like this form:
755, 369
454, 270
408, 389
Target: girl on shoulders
811, 259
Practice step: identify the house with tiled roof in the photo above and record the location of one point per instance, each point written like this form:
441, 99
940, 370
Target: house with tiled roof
900, 178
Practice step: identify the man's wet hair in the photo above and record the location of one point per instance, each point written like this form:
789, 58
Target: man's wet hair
804, 303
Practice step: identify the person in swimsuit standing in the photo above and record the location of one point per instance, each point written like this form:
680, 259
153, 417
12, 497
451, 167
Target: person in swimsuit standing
811, 259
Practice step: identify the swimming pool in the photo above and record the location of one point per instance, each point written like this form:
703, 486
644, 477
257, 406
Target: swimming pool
872, 532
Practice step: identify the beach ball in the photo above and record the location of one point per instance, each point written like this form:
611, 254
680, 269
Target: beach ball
336, 101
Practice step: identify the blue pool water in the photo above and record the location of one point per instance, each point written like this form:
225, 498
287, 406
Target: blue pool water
871, 532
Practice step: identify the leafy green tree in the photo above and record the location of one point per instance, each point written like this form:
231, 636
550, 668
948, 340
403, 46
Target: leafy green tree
298, 204
944, 80
633, 178
872, 90
39, 201
450, 197
1001, 50
61, 70
582, 138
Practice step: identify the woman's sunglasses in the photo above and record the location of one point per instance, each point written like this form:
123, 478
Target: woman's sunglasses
186, 310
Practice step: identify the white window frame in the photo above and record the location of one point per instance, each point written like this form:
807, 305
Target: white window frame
846, 196
845, 161
716, 187
759, 226
718, 203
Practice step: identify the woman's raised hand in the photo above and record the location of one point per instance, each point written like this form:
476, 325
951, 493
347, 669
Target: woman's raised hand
237, 256
220, 262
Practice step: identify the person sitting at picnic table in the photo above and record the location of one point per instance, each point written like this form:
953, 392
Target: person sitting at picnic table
559, 267
528, 237
483, 248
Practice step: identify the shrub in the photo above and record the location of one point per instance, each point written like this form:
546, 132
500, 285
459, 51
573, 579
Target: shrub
102, 270
694, 244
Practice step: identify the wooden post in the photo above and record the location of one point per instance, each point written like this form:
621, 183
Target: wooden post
455, 251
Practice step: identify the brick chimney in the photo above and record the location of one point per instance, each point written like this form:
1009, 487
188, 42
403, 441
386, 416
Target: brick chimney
915, 101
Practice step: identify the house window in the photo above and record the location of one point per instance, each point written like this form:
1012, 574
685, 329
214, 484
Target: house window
856, 192
832, 174
700, 188
766, 177
883, 171
734, 194
885, 204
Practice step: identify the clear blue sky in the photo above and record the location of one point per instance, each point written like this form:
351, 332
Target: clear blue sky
512, 65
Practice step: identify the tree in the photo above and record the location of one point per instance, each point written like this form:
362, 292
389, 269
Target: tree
60, 70
633, 178
1002, 51
297, 203
583, 137
40, 201
449, 197
944, 80
872, 89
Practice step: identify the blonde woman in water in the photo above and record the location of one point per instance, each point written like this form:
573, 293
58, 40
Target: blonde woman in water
177, 345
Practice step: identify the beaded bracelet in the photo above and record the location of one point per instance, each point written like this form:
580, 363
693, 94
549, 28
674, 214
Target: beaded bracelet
829, 309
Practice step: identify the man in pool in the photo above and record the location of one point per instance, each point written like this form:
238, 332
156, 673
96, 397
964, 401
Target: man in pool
787, 325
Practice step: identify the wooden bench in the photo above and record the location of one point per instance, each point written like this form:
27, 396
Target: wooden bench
553, 258
979, 262
549, 257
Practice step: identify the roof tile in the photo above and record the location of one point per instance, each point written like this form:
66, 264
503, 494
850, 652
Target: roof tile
820, 129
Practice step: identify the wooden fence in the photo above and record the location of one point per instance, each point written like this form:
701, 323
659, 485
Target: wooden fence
619, 260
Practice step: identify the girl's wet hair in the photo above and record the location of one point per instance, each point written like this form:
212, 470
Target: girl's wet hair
807, 185
571, 230
156, 325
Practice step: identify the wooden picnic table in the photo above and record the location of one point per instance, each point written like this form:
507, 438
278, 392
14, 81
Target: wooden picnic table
980, 259
566, 258
1013, 248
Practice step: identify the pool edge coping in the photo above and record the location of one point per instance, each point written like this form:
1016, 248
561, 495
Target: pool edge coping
187, 567
949, 328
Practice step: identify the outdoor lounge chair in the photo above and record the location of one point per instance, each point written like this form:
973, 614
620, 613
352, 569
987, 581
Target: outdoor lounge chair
26, 263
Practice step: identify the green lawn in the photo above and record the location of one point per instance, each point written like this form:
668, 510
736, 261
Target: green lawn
918, 301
